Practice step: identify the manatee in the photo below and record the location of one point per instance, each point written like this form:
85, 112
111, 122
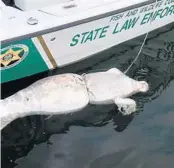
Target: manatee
113, 86
66, 93
57, 94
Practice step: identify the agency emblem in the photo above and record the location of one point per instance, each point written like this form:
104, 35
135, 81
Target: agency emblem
13, 55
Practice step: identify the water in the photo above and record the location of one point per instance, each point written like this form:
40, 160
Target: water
100, 137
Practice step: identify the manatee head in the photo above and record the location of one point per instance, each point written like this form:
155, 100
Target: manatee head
143, 86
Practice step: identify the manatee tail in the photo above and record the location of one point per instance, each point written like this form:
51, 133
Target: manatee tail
8, 112
4, 114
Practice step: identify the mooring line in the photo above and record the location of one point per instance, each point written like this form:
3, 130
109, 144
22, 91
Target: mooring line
141, 46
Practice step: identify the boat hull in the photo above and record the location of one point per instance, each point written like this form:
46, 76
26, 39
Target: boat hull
66, 46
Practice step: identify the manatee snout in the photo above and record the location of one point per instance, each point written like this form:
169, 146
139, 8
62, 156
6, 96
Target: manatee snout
143, 86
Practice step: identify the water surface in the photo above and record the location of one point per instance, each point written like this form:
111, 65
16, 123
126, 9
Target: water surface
99, 136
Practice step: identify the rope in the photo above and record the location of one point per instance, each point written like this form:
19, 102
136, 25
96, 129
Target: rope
141, 45
138, 53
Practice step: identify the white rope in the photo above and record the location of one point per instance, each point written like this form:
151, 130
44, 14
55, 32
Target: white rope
138, 53
141, 46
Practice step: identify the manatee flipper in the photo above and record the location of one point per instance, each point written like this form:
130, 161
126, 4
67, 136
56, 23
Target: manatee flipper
125, 105
115, 70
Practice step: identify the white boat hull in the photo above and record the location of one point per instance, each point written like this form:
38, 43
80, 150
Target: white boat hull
79, 42
57, 41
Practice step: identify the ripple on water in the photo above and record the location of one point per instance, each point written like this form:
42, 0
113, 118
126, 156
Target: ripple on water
99, 136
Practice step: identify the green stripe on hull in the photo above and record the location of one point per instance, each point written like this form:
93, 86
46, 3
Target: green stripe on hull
20, 59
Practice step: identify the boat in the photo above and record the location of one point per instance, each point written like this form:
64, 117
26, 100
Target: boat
39, 36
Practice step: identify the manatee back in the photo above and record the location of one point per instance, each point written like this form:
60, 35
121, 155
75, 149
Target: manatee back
56, 94
104, 87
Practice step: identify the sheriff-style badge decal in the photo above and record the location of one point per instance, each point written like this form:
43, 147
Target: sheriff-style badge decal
12, 55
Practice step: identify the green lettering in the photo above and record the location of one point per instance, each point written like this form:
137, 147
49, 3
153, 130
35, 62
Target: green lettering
115, 29
132, 22
89, 37
153, 16
129, 23
161, 13
103, 33
146, 18
75, 40
158, 13
97, 30
171, 10
125, 26
167, 2
164, 12
83, 34
128, 14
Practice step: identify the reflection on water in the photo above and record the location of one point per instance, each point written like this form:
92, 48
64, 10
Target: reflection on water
99, 136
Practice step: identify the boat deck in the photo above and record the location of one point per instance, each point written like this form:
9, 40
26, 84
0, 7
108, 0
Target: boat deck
57, 16
76, 6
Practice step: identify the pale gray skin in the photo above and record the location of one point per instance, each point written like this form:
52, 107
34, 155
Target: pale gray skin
71, 92
113, 86
59, 94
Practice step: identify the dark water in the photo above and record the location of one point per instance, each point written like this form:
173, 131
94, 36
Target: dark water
99, 136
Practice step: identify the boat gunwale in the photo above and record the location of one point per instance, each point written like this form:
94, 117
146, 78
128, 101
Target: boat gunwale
75, 23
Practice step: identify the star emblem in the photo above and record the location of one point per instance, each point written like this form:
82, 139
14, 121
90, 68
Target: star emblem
9, 56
